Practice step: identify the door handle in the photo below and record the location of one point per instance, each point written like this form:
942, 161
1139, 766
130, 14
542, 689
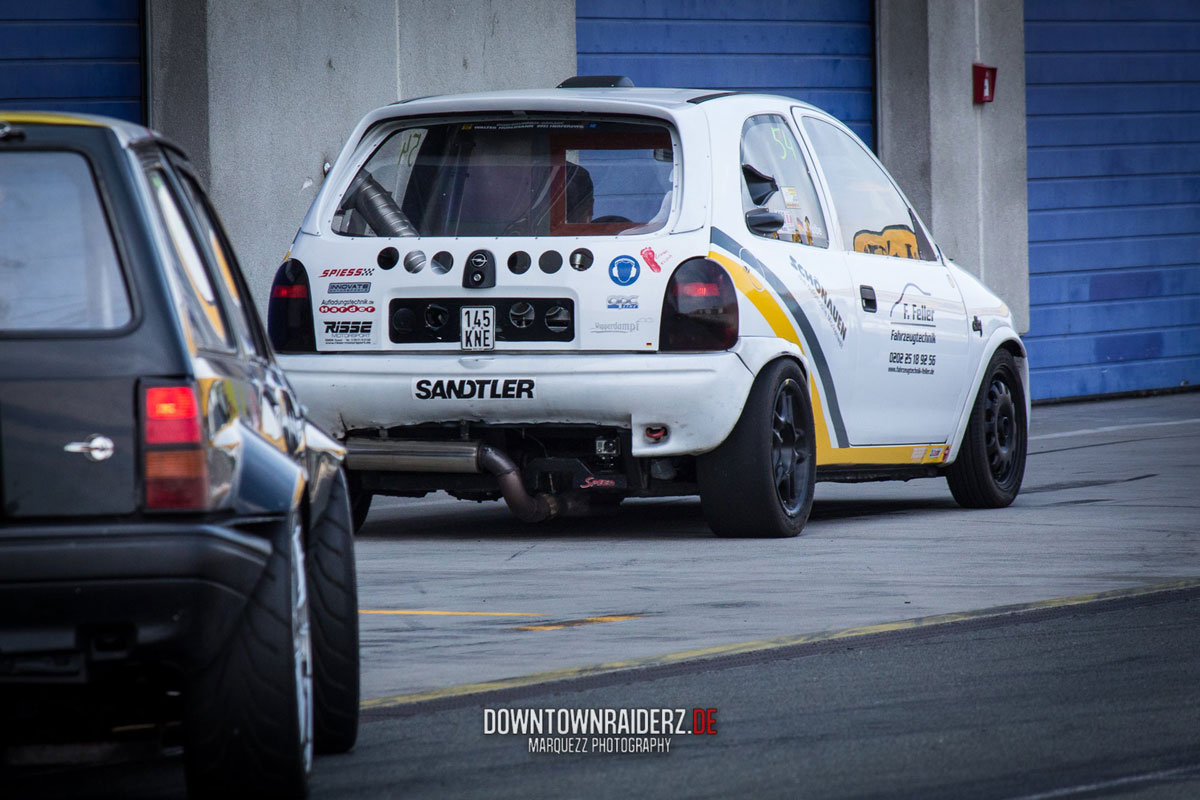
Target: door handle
867, 293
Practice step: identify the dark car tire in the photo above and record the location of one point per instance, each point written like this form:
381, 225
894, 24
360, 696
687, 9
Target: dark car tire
333, 607
360, 503
991, 461
248, 713
759, 482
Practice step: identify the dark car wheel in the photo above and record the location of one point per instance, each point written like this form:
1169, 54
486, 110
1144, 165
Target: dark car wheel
333, 604
248, 714
991, 461
759, 482
360, 503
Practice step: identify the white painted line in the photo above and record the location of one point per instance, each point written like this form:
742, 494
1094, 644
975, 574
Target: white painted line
1112, 428
1087, 788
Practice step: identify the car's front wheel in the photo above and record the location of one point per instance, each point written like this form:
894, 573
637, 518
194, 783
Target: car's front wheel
991, 461
248, 715
759, 482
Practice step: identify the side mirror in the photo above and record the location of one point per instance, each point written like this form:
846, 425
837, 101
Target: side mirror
763, 222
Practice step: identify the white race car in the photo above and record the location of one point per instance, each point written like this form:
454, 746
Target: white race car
572, 296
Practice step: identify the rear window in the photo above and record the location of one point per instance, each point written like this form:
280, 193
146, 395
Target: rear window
58, 266
527, 177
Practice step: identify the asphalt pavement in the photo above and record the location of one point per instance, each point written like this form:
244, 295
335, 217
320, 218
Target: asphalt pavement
1109, 501
841, 663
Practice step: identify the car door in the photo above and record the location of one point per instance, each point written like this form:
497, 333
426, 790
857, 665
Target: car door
912, 325
794, 260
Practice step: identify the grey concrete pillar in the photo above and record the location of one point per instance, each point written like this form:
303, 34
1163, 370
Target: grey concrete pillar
262, 92
962, 164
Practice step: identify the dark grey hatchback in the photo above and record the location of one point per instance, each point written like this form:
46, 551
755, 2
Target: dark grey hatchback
175, 538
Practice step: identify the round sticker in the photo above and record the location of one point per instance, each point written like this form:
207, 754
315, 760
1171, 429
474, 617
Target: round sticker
624, 270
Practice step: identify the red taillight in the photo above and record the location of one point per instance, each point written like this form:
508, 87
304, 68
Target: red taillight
175, 466
289, 310
697, 290
172, 415
700, 309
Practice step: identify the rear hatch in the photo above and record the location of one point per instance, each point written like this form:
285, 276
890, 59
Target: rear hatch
67, 416
499, 233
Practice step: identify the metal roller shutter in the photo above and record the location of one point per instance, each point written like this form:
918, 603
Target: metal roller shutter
72, 55
1113, 121
821, 52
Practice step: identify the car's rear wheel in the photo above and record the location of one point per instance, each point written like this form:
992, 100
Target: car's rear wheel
759, 482
248, 715
333, 600
991, 462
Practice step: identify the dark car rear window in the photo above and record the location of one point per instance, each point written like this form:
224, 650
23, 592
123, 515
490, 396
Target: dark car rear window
58, 266
527, 177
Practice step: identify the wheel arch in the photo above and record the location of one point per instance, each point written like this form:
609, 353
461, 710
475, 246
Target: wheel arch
1003, 338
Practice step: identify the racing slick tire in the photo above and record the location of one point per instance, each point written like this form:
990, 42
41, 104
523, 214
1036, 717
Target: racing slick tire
759, 481
248, 713
333, 608
991, 462
360, 503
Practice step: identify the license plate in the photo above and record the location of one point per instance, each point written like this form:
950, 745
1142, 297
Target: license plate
477, 327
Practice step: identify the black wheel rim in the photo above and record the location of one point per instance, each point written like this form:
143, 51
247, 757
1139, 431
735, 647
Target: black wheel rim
1002, 430
789, 448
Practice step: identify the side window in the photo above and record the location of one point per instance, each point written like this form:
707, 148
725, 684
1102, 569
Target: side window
223, 263
873, 216
189, 279
776, 177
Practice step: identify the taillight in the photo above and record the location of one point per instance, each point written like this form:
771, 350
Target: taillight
172, 416
289, 311
175, 466
700, 310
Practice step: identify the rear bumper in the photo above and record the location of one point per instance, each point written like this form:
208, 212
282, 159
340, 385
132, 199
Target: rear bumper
75, 595
699, 397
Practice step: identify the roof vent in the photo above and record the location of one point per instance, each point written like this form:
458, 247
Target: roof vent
595, 82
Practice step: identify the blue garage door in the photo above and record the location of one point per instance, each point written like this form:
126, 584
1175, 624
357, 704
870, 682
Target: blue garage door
1113, 104
72, 55
821, 51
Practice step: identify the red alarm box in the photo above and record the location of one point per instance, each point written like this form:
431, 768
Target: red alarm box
985, 83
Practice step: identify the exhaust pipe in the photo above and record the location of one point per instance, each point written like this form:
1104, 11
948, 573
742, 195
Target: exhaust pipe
527, 507
459, 457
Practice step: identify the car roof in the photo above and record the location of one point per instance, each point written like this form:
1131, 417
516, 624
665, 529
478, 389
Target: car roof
572, 99
127, 132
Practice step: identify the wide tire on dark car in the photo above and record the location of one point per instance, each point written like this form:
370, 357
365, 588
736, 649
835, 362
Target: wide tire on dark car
991, 462
759, 482
248, 713
360, 502
333, 606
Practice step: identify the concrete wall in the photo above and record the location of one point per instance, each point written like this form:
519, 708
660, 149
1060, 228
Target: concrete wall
261, 92
961, 164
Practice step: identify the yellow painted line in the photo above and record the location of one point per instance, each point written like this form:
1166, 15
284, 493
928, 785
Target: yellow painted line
575, 623
419, 612
773, 644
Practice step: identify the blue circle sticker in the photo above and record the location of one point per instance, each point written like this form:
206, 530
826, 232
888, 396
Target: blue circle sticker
624, 270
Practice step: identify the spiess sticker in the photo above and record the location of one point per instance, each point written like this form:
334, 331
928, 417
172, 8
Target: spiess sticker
624, 270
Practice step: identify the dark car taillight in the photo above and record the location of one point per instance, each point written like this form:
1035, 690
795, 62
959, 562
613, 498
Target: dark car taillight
700, 310
289, 311
175, 466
